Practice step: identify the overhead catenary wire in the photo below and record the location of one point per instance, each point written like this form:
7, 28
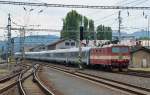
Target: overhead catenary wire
108, 16
72, 6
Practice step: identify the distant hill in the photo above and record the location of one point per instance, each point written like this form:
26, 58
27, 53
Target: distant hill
137, 34
31, 41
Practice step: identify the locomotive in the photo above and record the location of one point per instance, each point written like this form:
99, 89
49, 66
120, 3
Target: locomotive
114, 57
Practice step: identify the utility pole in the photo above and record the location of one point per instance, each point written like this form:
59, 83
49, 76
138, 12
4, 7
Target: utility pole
119, 30
148, 32
9, 52
22, 39
80, 42
95, 37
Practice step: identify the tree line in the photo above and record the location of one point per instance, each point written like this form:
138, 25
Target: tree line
72, 23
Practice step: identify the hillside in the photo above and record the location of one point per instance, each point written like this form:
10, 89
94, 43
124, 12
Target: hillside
137, 34
31, 41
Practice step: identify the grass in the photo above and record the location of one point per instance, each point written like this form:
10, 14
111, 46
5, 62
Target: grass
3, 71
140, 69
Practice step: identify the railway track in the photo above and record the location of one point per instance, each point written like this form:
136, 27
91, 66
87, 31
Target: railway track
12, 75
33, 84
112, 84
17, 79
131, 73
135, 73
10, 81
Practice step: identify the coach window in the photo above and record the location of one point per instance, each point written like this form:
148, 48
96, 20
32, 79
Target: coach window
67, 43
72, 43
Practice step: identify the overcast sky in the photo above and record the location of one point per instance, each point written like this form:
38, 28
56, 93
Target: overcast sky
51, 18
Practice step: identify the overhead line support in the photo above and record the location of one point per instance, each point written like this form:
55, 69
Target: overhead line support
72, 6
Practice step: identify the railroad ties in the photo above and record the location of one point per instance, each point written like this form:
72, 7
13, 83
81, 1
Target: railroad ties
24, 80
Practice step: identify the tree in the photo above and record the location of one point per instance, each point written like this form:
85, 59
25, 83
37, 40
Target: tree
91, 29
104, 33
85, 33
71, 24
100, 32
144, 38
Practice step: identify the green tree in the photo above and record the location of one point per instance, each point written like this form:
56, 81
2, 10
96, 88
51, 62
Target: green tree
144, 38
85, 34
100, 32
71, 24
104, 33
91, 29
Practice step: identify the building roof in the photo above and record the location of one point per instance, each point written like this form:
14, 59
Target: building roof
136, 49
41, 45
57, 42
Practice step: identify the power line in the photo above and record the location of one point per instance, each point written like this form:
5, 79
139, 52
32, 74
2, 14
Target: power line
106, 17
31, 29
72, 6
134, 2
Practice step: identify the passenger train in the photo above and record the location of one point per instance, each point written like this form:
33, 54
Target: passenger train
112, 56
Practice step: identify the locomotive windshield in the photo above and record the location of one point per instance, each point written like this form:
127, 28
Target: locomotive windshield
120, 49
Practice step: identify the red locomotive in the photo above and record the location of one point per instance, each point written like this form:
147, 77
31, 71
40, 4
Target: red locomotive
112, 57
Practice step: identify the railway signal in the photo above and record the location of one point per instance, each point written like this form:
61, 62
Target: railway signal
81, 33
80, 48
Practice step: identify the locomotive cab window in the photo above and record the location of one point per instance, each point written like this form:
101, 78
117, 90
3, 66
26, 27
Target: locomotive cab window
120, 49
115, 49
124, 49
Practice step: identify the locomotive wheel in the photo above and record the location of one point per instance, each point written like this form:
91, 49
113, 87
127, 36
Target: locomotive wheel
124, 69
115, 69
67, 64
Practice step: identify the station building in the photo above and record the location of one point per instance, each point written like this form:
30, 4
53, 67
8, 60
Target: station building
140, 57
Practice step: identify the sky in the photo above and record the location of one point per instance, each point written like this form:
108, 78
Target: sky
51, 18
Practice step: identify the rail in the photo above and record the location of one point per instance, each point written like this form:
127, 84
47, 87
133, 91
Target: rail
44, 88
21, 80
136, 73
7, 78
22, 91
111, 83
12, 84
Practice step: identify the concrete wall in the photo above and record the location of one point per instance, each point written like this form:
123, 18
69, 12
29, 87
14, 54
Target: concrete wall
63, 45
139, 59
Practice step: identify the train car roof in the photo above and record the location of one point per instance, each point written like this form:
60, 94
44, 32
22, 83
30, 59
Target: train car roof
61, 50
72, 49
68, 50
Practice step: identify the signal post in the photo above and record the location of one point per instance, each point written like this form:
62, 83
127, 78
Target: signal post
80, 48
